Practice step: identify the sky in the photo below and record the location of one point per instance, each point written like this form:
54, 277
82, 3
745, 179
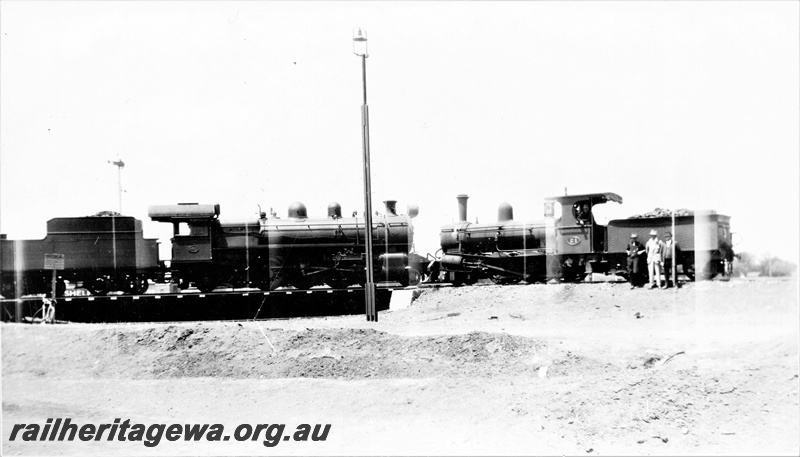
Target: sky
668, 104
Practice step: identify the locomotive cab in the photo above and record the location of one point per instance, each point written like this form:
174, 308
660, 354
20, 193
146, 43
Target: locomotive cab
576, 231
191, 229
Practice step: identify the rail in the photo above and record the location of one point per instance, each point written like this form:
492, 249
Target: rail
198, 306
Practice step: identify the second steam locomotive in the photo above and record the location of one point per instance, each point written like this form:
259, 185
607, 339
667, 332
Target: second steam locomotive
569, 244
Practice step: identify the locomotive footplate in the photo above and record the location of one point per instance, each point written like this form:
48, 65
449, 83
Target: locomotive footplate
236, 305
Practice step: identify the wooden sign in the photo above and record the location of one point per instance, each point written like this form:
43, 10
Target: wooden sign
54, 261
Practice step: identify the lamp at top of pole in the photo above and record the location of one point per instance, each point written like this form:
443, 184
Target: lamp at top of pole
360, 42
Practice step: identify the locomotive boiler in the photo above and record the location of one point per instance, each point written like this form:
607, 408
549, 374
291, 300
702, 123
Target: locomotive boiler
570, 245
506, 251
104, 252
298, 251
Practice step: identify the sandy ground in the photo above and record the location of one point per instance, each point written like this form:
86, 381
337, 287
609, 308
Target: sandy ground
586, 369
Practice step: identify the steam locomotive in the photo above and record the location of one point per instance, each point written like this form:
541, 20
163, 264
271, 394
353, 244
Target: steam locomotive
298, 251
569, 244
108, 252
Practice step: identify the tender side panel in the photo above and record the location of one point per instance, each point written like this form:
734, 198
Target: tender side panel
687, 229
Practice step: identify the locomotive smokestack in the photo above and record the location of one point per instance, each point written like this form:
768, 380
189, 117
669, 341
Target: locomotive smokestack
334, 210
390, 207
462, 207
505, 212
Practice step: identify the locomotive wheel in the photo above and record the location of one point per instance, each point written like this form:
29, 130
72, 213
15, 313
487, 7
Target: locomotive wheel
61, 287
499, 279
470, 279
456, 277
554, 270
303, 283
270, 284
338, 282
412, 277
276, 276
99, 286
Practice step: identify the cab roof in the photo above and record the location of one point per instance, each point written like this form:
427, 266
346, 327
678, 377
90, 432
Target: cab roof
595, 198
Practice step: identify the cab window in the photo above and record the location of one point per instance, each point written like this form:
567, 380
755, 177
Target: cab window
582, 210
189, 229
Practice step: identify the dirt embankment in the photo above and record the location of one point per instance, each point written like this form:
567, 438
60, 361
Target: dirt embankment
565, 369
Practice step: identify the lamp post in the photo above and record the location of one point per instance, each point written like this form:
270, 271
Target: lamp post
360, 49
120, 165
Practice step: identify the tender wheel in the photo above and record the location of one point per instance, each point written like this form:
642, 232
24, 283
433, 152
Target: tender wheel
688, 270
708, 271
138, 285
99, 286
61, 287
182, 283
8, 289
206, 284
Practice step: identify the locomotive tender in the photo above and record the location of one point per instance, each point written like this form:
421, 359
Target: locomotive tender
104, 252
271, 252
571, 245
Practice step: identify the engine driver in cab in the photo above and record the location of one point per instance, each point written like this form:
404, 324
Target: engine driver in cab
584, 214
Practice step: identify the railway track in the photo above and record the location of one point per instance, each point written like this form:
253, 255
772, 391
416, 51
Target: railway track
230, 305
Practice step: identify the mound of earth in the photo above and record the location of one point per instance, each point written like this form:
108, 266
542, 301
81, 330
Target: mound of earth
564, 369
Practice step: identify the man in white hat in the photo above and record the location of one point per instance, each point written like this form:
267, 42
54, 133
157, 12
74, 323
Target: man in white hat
635, 249
655, 258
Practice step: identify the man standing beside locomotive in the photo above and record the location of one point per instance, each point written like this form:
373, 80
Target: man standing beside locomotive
669, 243
635, 249
655, 258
